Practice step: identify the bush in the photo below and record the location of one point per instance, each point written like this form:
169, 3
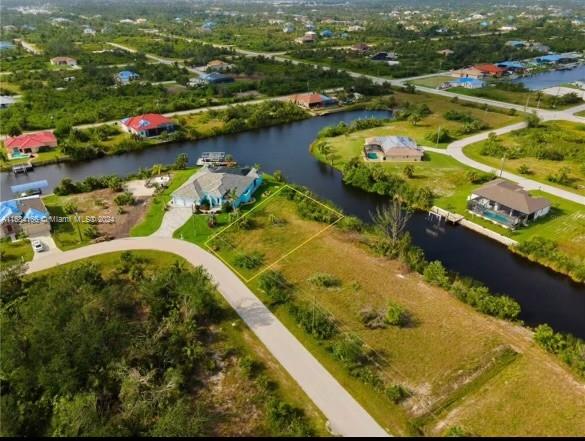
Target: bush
249, 261
286, 420
350, 351
324, 280
436, 274
396, 393
125, 198
314, 321
372, 319
568, 348
396, 315
275, 285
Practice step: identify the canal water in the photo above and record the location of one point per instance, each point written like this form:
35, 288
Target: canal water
553, 78
545, 297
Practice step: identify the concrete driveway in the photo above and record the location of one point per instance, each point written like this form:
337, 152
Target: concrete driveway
346, 416
51, 249
174, 218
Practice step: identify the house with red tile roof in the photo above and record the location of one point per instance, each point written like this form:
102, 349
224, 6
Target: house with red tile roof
30, 143
312, 100
490, 70
148, 125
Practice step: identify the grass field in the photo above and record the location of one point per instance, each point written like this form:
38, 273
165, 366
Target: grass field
528, 98
239, 397
445, 356
433, 81
156, 210
558, 135
14, 252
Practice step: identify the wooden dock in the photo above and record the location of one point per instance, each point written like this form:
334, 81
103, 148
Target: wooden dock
22, 168
453, 218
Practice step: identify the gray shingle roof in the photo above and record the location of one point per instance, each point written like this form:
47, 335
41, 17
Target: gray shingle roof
511, 195
216, 183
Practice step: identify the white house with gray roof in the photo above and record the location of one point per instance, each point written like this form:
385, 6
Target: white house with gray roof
211, 188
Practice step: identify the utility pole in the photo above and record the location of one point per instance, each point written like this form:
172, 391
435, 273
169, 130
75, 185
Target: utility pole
502, 165
438, 134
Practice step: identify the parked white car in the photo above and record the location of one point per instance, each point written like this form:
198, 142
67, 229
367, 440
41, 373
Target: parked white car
38, 246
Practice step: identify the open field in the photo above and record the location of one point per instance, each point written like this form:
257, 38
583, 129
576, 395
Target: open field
446, 354
522, 98
433, 81
529, 147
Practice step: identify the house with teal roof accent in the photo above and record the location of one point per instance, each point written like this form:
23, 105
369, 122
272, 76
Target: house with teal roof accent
25, 215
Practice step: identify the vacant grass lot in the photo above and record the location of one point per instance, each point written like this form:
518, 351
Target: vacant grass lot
433, 81
445, 355
271, 230
563, 136
527, 98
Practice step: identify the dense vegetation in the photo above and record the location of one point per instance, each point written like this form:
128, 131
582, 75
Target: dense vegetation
567, 347
122, 353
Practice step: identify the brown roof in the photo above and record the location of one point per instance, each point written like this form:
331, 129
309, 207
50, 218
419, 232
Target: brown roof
511, 195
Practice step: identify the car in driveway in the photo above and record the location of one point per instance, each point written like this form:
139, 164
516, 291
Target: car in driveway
38, 246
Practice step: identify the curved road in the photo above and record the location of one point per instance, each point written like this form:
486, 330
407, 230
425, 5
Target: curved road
346, 416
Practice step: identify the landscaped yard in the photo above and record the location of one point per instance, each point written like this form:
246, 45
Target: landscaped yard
157, 206
526, 152
444, 356
15, 252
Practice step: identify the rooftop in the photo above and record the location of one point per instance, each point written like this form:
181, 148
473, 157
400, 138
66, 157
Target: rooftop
511, 195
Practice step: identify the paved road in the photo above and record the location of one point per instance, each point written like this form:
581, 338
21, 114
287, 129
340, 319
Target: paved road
346, 417
455, 150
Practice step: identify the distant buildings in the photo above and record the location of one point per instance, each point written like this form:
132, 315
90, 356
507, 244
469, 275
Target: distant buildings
313, 100
326, 33
386, 57
218, 65
445, 52
64, 61
392, 148
148, 125
216, 78
467, 83
361, 48
125, 77
6, 101
309, 37
490, 70
29, 143
470, 72
288, 28
506, 204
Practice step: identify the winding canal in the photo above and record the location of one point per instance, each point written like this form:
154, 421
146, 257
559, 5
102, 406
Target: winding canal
545, 297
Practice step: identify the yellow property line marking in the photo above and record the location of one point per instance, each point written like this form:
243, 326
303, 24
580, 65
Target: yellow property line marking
341, 216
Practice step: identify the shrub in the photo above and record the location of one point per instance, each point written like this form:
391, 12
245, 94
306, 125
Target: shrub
396, 315
324, 280
249, 261
568, 348
372, 319
286, 420
350, 351
125, 198
275, 285
436, 274
396, 393
314, 321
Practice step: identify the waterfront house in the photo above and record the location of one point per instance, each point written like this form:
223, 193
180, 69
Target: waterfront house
125, 77
470, 72
467, 83
506, 204
218, 66
21, 145
384, 56
490, 70
211, 188
512, 66
392, 148
148, 125
25, 215
64, 61
568, 57
313, 100
216, 78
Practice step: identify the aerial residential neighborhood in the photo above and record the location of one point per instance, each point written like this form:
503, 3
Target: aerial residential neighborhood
292, 218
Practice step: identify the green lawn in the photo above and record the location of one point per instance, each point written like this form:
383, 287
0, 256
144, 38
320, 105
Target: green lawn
527, 98
67, 235
433, 81
14, 252
566, 137
157, 209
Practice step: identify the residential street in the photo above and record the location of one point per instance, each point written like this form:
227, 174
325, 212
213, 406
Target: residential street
345, 415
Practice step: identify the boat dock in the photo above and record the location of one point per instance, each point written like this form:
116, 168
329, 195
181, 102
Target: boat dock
454, 218
22, 168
